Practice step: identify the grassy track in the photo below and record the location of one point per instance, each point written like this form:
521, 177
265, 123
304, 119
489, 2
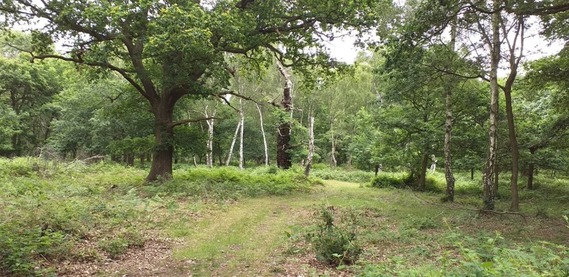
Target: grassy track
248, 237
404, 229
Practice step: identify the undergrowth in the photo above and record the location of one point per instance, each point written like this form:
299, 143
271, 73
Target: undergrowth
339, 174
52, 211
483, 256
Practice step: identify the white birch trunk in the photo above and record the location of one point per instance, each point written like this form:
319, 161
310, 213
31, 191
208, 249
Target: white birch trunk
242, 123
310, 145
264, 137
494, 45
333, 154
210, 123
233, 143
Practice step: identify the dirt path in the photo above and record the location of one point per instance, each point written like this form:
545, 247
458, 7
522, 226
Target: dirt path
248, 238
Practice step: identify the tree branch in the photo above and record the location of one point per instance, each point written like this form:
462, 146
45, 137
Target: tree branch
186, 121
123, 72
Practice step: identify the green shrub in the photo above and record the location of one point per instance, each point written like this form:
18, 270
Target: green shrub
334, 244
233, 183
17, 167
488, 257
20, 246
484, 256
355, 176
392, 180
120, 243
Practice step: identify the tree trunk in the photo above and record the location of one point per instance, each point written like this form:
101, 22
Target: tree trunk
163, 136
489, 193
283, 146
531, 169
210, 123
423, 174
310, 145
449, 176
515, 205
264, 137
233, 143
333, 160
514, 63
242, 123
284, 129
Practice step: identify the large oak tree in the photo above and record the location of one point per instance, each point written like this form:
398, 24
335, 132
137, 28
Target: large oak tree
171, 49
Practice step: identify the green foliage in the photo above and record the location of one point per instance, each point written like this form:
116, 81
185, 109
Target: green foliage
120, 243
233, 183
335, 243
434, 182
487, 256
46, 212
484, 256
20, 245
340, 174
393, 180
25, 92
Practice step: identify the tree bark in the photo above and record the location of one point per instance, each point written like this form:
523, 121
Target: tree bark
449, 176
423, 174
489, 193
264, 137
310, 145
242, 123
210, 124
284, 129
233, 143
514, 63
333, 160
163, 136
531, 169
515, 205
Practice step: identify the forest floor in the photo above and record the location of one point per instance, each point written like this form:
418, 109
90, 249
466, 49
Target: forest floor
73, 219
266, 236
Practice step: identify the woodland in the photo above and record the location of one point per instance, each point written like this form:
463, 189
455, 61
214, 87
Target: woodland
222, 138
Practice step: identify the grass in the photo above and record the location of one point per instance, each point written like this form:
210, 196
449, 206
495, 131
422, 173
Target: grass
57, 217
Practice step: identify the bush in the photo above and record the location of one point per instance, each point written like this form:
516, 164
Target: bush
356, 176
334, 244
233, 183
488, 257
20, 246
392, 180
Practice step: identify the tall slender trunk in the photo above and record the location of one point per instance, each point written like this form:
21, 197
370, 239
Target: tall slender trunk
242, 123
210, 124
449, 176
333, 160
514, 61
447, 148
284, 129
531, 168
310, 144
489, 193
230, 154
515, 204
264, 137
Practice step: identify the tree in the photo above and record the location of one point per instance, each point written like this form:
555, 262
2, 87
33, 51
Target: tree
26, 90
167, 50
